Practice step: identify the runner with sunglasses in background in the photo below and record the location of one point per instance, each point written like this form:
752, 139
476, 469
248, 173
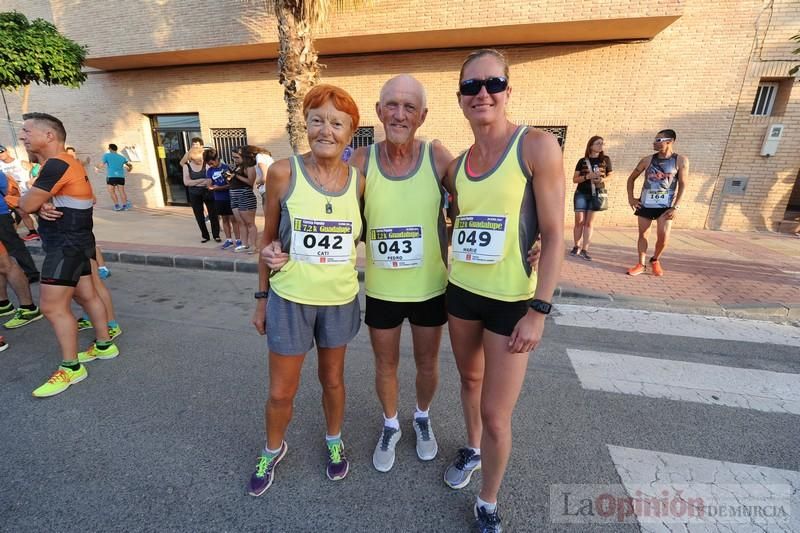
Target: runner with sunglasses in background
665, 179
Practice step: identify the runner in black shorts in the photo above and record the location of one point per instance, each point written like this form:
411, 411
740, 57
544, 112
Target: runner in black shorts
63, 197
665, 179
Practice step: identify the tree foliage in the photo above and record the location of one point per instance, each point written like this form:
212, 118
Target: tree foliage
35, 52
298, 65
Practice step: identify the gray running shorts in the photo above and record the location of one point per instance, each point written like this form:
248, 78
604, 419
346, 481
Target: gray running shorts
293, 328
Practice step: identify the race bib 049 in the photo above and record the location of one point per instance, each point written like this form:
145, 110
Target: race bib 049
479, 238
396, 247
324, 242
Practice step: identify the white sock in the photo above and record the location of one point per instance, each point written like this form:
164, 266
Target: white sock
393, 422
476, 450
273, 452
333, 438
489, 507
419, 413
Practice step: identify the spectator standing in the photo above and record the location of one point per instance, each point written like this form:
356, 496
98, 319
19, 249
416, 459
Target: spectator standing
116, 164
591, 171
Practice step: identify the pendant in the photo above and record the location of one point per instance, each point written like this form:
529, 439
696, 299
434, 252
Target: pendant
328, 208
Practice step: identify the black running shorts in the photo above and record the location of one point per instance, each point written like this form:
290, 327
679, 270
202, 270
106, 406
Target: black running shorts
383, 314
65, 263
653, 213
497, 316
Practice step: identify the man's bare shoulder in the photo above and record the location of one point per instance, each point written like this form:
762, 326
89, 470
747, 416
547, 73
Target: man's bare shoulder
280, 170
359, 158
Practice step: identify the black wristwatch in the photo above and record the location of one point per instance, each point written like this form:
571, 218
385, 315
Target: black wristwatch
540, 306
261, 295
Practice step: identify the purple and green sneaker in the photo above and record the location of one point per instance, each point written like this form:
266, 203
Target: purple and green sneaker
338, 466
264, 475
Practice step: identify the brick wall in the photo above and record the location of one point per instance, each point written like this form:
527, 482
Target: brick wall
188, 24
689, 78
771, 179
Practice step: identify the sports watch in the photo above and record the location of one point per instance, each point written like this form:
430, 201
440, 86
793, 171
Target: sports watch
261, 295
540, 306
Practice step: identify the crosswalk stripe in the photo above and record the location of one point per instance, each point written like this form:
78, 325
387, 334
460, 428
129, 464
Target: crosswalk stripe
695, 326
761, 390
730, 491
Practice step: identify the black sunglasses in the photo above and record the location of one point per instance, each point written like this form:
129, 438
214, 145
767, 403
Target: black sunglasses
494, 85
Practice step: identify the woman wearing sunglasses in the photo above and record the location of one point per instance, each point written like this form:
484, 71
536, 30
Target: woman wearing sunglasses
509, 188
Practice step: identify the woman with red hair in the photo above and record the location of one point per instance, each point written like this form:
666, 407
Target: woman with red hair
313, 209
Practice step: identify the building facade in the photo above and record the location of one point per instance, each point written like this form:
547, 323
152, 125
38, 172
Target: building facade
716, 72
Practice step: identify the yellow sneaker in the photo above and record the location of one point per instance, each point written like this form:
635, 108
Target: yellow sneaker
60, 381
96, 353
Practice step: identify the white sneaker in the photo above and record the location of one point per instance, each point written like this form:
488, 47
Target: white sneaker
241, 248
383, 457
426, 442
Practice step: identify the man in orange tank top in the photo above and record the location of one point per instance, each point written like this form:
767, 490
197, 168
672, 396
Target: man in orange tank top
63, 198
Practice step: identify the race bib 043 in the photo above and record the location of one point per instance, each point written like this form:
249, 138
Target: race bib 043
324, 242
396, 247
479, 238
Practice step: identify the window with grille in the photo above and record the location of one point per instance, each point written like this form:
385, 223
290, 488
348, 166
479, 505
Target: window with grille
765, 99
559, 131
226, 140
364, 136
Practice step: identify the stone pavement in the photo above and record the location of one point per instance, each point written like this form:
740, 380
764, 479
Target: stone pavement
750, 275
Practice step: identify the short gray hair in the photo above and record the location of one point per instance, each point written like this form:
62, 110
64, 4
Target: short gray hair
409, 77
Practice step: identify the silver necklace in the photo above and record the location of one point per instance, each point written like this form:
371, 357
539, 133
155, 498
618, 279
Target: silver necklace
328, 204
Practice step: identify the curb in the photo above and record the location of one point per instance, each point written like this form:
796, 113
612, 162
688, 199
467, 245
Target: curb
753, 311
172, 261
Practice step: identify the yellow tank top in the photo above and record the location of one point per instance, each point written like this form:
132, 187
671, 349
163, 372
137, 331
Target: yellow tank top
405, 237
495, 227
321, 231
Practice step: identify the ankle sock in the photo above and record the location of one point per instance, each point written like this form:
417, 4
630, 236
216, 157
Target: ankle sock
331, 439
272, 453
113, 324
490, 507
103, 345
392, 422
5, 303
419, 413
29, 307
72, 365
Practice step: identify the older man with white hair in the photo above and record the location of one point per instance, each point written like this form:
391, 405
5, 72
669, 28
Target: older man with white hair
406, 245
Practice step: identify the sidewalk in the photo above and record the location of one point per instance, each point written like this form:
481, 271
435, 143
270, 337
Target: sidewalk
750, 275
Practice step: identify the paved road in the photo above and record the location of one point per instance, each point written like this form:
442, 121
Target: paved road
164, 437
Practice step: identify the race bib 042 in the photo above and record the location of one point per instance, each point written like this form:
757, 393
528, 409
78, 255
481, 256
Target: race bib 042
479, 238
323, 242
396, 247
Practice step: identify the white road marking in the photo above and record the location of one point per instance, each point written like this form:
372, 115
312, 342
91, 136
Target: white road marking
761, 390
732, 496
680, 325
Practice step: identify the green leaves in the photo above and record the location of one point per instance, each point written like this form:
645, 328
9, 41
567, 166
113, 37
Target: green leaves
35, 52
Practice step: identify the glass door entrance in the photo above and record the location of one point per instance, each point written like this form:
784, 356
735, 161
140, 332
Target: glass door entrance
172, 137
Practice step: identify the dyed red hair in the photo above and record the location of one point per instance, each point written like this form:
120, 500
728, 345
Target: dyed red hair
340, 99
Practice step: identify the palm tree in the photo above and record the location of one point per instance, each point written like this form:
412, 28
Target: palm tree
298, 65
